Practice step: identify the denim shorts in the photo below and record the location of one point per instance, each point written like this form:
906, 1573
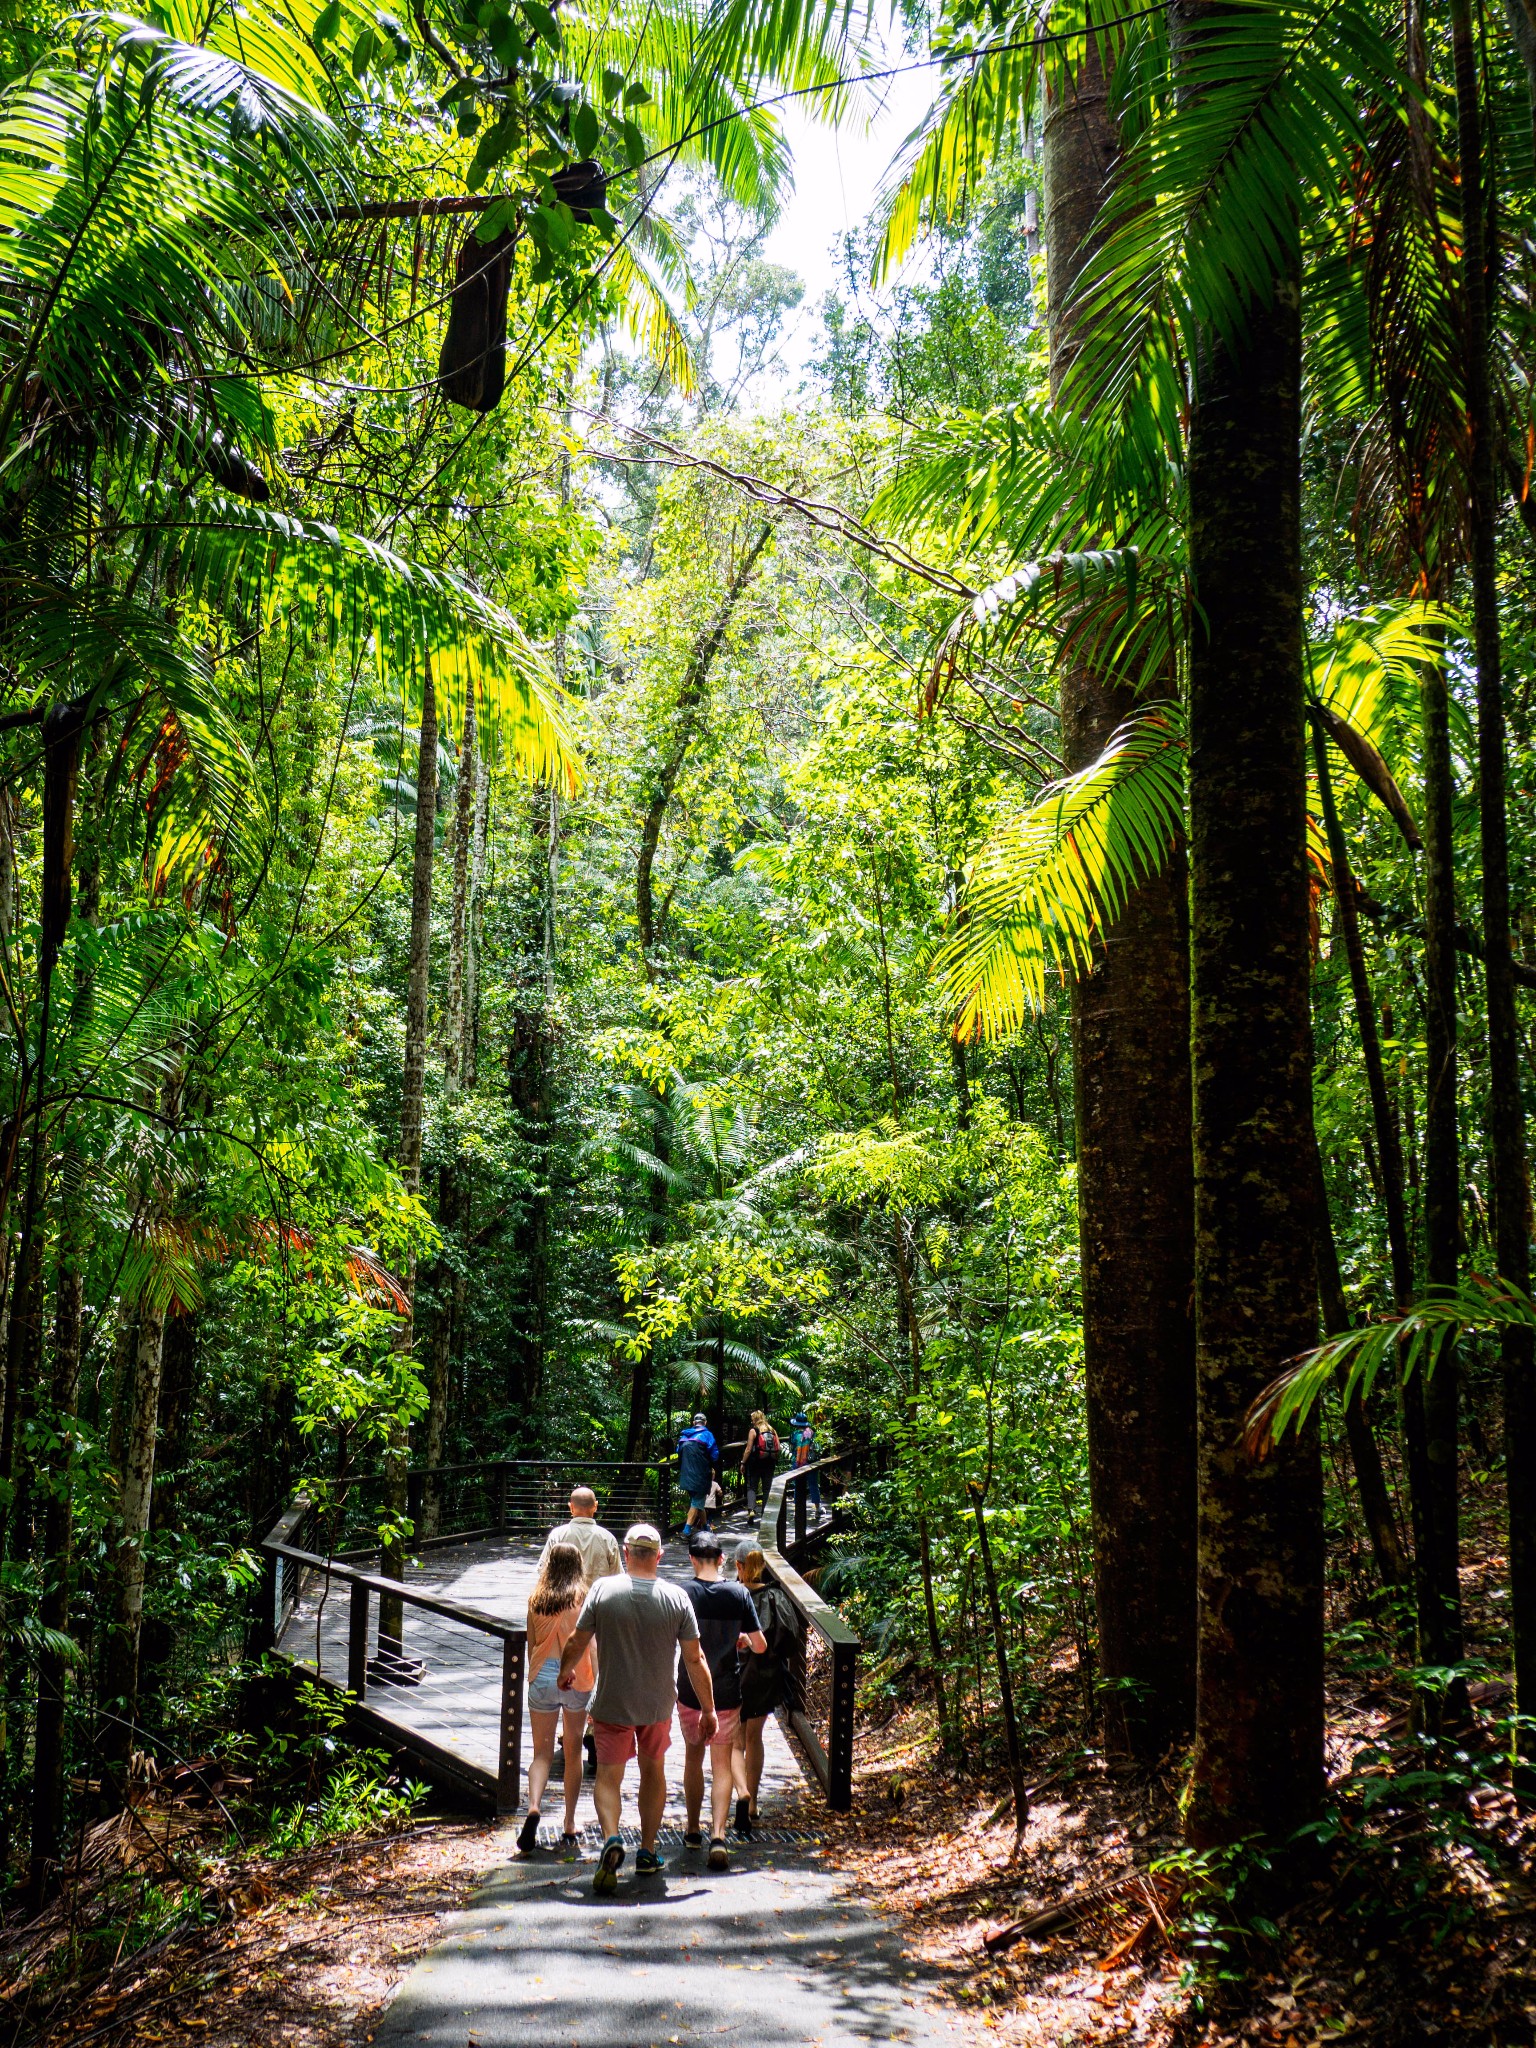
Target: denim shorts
545, 1697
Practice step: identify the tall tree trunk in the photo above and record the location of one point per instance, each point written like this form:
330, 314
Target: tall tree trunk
49, 1738
529, 1082
1135, 1176
1258, 1760
1506, 1110
125, 1571
449, 1204
1437, 1589
1442, 1162
1393, 1566
412, 1106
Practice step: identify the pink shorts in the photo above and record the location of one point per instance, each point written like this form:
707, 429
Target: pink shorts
723, 1736
616, 1744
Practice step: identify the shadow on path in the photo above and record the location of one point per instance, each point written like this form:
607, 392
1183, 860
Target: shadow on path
771, 1953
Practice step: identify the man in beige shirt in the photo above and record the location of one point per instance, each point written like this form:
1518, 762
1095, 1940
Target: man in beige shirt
599, 1547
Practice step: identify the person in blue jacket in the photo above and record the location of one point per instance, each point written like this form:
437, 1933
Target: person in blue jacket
698, 1456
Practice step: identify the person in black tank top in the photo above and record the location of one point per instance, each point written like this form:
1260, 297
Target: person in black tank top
727, 1625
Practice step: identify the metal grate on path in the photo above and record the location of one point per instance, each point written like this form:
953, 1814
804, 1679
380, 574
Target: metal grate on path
589, 1839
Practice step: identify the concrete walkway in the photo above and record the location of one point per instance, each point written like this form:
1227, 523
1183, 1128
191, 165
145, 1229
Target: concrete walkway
771, 1953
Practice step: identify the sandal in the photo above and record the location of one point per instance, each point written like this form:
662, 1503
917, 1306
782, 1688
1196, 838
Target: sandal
528, 1833
569, 1844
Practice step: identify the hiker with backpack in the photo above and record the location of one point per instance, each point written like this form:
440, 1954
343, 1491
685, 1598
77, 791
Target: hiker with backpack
803, 1450
698, 1457
764, 1677
759, 1460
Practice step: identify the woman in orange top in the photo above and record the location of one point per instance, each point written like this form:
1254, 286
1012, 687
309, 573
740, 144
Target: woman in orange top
553, 1606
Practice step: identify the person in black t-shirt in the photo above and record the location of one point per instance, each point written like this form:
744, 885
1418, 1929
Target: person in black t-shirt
727, 1625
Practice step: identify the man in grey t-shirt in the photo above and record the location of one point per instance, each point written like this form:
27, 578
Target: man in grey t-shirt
640, 1622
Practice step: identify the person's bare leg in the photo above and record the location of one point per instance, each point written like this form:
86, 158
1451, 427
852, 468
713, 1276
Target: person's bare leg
739, 1761
575, 1726
544, 1726
720, 1790
693, 1783
653, 1799
608, 1796
754, 1761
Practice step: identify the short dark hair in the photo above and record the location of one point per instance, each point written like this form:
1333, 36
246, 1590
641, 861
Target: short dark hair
706, 1544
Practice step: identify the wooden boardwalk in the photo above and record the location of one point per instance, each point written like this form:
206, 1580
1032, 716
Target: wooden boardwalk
458, 1703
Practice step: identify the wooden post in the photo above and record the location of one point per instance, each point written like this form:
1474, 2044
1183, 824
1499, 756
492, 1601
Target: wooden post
801, 1489
357, 1642
840, 1733
509, 1769
501, 1498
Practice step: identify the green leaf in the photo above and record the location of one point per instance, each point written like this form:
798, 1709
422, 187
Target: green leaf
544, 22
636, 95
613, 84
585, 128
327, 22
634, 142
364, 50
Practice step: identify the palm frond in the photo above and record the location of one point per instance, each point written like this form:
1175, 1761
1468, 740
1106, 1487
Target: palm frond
1417, 1337
272, 566
1038, 896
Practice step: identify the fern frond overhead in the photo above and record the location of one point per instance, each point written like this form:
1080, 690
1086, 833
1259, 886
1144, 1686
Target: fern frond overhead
1036, 481
1213, 195
1040, 893
254, 559
650, 318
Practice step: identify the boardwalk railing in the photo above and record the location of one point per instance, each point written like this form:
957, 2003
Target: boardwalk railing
290, 1565
824, 1668
453, 1647
501, 1497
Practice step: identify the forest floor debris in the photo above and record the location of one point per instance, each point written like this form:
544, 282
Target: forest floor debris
1418, 1928
297, 1951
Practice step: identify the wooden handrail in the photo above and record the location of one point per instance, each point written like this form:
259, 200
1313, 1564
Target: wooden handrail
467, 1617
832, 1762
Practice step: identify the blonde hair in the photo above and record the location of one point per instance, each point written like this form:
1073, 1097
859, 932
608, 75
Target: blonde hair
562, 1581
751, 1566
759, 1419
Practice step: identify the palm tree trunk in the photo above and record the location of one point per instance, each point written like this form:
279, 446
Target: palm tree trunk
1442, 1168
1135, 1174
1258, 1760
1392, 1565
412, 1105
1437, 1587
49, 1743
439, 1373
1506, 1111
1506, 1118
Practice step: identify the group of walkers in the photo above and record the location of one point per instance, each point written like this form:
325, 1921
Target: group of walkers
699, 1464
609, 1638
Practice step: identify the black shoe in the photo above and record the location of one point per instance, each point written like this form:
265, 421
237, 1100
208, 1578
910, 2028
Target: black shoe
719, 1854
528, 1834
743, 1816
693, 1840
